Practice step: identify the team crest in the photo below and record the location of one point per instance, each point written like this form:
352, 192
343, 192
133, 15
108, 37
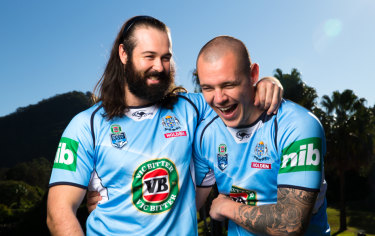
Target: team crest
171, 123
155, 186
118, 137
260, 152
222, 157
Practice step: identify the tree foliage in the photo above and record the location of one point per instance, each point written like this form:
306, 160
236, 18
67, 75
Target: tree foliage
296, 90
350, 133
35, 172
349, 130
35, 131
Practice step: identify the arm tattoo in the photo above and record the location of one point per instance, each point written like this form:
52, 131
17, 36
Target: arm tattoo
289, 216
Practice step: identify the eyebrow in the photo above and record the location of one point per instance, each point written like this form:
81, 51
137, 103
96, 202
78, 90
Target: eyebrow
236, 82
154, 53
223, 84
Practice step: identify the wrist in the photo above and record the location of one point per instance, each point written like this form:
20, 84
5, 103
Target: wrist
227, 209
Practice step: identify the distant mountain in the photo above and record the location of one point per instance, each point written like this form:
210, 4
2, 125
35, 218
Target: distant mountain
34, 131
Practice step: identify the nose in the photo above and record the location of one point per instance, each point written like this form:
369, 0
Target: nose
220, 97
158, 65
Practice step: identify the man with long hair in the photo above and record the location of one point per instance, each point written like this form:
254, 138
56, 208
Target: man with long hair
134, 145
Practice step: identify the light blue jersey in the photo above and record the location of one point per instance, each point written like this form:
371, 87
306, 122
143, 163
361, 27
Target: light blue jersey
140, 163
250, 163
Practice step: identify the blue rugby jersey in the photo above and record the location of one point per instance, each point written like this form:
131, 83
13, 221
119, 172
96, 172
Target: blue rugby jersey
140, 164
250, 163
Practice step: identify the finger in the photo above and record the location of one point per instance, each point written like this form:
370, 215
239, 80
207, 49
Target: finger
280, 98
261, 93
269, 96
93, 200
92, 194
276, 99
256, 99
91, 208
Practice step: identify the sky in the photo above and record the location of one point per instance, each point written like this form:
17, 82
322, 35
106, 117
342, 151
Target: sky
54, 47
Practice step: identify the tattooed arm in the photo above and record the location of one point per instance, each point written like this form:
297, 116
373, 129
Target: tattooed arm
289, 216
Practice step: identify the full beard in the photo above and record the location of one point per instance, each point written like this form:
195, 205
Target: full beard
137, 83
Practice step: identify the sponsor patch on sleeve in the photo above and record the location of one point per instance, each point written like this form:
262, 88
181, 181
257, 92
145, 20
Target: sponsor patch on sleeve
244, 196
66, 155
302, 155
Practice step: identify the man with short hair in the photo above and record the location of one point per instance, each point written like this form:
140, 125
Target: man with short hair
268, 168
133, 145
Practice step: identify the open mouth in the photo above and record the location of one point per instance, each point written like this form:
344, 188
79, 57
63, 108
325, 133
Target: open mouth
227, 110
153, 79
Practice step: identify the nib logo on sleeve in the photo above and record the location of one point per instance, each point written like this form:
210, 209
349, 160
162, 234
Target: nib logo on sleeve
302, 155
66, 155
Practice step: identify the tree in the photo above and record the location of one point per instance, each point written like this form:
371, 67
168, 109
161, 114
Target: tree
296, 90
350, 138
35, 172
34, 131
195, 78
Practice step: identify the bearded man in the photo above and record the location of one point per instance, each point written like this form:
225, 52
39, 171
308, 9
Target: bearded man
134, 144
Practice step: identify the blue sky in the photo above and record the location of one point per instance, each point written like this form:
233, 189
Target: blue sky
53, 47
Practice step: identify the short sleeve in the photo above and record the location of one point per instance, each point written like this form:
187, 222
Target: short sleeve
74, 161
204, 175
302, 147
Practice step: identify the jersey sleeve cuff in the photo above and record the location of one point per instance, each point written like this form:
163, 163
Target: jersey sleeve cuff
205, 186
67, 183
298, 187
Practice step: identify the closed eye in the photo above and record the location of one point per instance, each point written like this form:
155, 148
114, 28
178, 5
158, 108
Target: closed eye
206, 88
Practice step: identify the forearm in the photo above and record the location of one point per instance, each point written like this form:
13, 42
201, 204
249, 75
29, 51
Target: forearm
290, 216
268, 219
62, 204
64, 223
201, 196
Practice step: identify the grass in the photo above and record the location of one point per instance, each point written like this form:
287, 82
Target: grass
356, 220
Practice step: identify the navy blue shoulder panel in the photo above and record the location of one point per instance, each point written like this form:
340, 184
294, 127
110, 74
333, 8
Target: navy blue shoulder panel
204, 129
265, 119
92, 124
276, 129
191, 102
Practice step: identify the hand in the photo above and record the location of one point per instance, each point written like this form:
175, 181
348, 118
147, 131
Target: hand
268, 95
92, 198
217, 207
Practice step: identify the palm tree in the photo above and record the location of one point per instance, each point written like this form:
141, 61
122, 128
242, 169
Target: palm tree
295, 89
350, 131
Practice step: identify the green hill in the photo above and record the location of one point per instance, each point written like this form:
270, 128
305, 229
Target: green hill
34, 131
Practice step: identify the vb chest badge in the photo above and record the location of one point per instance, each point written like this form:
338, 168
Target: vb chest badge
222, 157
118, 137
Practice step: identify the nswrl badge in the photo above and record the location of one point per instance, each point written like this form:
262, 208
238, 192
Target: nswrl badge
118, 138
222, 157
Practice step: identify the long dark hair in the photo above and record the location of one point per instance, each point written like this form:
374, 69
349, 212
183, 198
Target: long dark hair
110, 89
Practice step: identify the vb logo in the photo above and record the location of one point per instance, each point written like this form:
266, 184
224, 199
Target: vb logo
66, 155
155, 186
156, 183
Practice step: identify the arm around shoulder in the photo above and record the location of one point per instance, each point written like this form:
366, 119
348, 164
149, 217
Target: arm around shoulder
62, 204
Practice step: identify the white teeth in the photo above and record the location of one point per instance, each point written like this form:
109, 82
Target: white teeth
223, 109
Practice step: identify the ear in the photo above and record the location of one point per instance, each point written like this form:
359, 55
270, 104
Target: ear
254, 72
122, 54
